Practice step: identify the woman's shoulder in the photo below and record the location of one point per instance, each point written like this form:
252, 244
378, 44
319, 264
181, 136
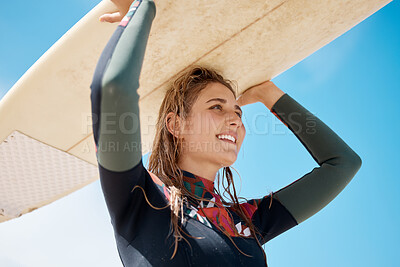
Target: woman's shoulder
155, 178
160, 184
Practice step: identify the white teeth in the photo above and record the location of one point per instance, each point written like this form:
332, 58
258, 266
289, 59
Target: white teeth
229, 137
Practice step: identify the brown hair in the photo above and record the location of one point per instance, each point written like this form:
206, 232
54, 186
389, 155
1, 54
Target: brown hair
163, 161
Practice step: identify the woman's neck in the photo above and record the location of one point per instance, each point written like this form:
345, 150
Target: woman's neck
203, 169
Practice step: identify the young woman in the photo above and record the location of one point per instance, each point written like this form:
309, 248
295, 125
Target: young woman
172, 214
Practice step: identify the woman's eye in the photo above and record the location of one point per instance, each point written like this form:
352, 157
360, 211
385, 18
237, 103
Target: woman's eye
219, 106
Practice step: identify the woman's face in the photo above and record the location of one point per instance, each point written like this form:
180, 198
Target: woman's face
215, 117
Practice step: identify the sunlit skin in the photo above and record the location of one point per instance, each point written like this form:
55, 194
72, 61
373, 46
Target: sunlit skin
121, 8
203, 152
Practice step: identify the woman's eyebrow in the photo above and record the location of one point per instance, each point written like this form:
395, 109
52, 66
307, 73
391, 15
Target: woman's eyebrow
224, 101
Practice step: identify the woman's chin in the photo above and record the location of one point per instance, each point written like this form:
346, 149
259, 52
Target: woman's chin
227, 159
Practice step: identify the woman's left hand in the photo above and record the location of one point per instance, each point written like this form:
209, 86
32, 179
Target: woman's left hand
254, 93
266, 92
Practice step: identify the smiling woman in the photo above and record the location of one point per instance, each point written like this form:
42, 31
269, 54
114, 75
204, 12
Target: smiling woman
198, 132
205, 123
193, 140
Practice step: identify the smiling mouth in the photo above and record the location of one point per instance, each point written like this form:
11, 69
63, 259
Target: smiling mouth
227, 140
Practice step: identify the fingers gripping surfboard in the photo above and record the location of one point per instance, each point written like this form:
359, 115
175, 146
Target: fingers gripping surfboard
46, 143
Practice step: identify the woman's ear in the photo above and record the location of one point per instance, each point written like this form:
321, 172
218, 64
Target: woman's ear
169, 122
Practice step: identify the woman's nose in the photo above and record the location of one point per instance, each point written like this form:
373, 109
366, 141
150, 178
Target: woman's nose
234, 119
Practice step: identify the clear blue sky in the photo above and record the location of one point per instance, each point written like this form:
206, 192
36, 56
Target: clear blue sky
352, 84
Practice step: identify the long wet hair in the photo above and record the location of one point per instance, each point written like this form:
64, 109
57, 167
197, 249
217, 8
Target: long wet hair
167, 149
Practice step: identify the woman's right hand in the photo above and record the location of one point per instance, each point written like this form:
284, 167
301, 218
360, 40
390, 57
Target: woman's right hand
118, 15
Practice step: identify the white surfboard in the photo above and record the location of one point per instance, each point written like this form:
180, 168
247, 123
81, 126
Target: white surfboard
46, 141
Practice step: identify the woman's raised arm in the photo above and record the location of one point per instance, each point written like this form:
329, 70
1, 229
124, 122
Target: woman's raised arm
115, 108
338, 164
115, 101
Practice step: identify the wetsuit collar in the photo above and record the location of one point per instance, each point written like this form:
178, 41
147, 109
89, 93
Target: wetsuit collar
199, 186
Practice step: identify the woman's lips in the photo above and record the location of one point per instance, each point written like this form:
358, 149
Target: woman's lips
226, 140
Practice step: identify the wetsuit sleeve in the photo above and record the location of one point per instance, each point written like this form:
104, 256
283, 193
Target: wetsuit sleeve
303, 198
115, 116
114, 90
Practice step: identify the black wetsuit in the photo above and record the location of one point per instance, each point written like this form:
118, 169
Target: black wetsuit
141, 232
